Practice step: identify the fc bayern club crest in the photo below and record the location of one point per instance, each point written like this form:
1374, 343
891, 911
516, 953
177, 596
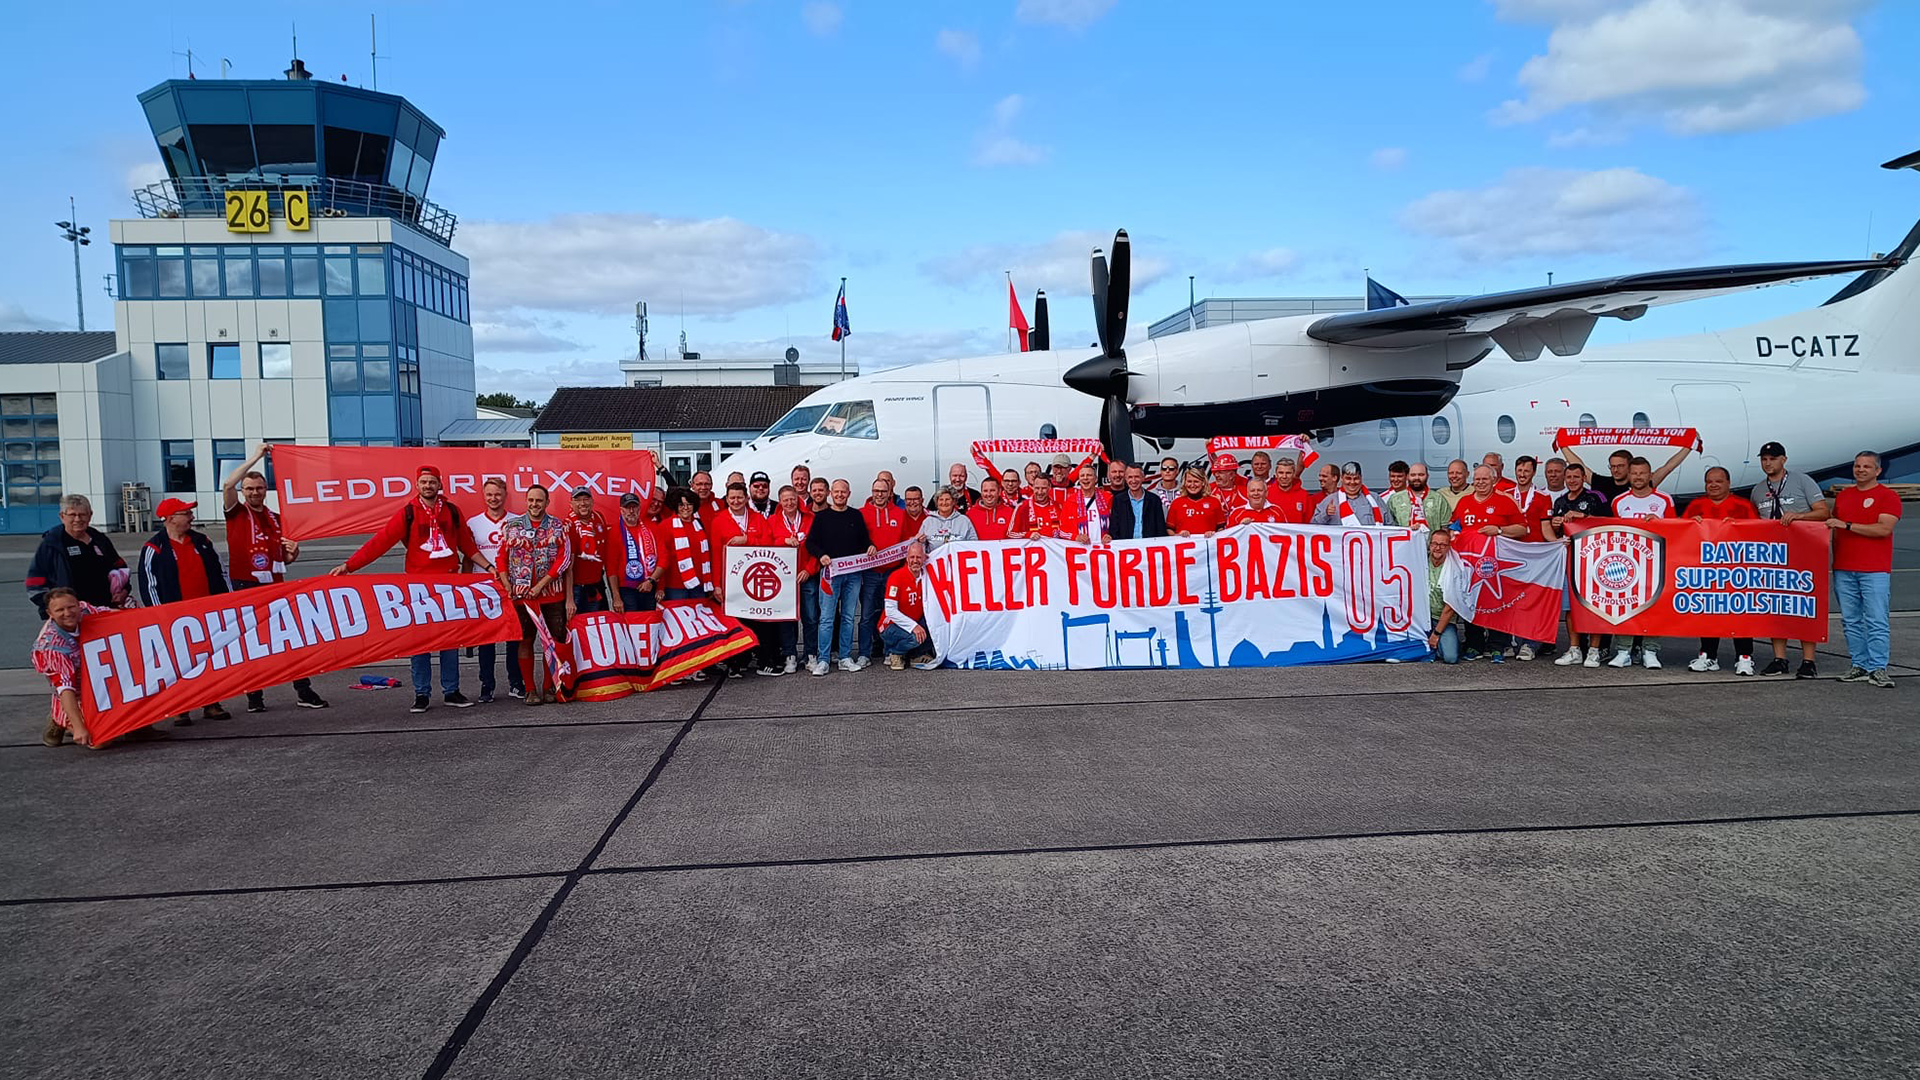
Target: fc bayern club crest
1619, 571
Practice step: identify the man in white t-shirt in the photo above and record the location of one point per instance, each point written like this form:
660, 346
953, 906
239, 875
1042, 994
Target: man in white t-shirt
485, 527
1641, 500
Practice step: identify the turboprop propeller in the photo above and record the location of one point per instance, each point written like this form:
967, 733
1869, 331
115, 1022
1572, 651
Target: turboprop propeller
1105, 376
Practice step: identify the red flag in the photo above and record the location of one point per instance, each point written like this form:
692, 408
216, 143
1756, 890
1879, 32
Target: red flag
1016, 318
1506, 585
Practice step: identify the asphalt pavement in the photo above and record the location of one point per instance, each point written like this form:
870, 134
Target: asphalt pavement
1415, 871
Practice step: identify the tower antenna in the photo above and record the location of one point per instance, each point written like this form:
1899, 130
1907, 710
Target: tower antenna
373, 49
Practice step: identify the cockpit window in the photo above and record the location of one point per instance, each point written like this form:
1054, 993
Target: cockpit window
851, 420
802, 418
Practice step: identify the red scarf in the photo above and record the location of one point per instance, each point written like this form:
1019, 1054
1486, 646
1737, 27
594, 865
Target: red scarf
642, 554
1418, 502
685, 536
589, 537
436, 545
1348, 517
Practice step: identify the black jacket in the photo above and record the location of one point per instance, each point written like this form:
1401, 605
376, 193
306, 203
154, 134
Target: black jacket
61, 562
160, 575
1120, 522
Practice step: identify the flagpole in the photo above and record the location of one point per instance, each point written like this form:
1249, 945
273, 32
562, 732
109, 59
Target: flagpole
1009, 313
843, 337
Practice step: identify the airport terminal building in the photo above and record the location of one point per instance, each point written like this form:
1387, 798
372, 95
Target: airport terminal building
288, 282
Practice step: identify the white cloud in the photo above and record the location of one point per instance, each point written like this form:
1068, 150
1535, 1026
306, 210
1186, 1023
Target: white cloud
1585, 136
144, 174
1476, 69
1388, 157
1535, 213
537, 383
513, 332
15, 317
822, 18
1059, 266
1072, 14
997, 145
961, 45
1693, 66
603, 262
1254, 266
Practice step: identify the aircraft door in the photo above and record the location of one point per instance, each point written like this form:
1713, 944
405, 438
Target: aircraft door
1441, 437
962, 414
1719, 410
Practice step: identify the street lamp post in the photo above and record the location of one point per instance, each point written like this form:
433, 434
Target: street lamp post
75, 234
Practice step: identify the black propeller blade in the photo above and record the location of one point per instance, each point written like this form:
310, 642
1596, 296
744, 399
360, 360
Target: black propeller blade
1105, 376
1040, 338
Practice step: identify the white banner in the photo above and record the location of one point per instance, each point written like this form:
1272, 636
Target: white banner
853, 564
1252, 596
763, 583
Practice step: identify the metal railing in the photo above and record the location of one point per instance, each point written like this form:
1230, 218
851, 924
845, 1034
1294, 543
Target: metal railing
205, 196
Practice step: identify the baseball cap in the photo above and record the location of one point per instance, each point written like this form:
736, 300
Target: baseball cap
1063, 460
759, 478
170, 507
582, 490
1225, 461
1772, 449
630, 499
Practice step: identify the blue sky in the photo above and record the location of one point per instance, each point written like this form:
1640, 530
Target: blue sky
735, 159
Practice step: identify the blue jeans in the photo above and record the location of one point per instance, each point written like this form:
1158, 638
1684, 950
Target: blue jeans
1449, 650
634, 600
1864, 599
449, 673
810, 617
840, 608
901, 642
592, 597
872, 590
513, 667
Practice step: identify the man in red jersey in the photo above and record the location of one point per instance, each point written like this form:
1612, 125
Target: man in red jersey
903, 625
913, 505
1289, 496
710, 503
788, 527
590, 538
1487, 512
1721, 504
886, 526
1261, 465
1048, 515
738, 524
435, 536
1863, 520
1196, 512
258, 554
1498, 464
179, 563
1535, 506
1227, 487
1256, 509
992, 514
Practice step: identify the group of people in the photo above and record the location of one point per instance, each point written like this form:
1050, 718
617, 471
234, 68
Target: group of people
860, 565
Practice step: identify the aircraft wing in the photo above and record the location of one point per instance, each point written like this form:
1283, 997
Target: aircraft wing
1558, 318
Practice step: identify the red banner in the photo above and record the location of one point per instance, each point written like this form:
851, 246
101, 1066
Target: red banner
1627, 436
143, 665
346, 490
1088, 449
1676, 577
616, 655
1293, 446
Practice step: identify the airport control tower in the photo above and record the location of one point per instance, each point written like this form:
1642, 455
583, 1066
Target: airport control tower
289, 280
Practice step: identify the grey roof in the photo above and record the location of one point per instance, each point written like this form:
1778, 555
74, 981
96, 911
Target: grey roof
55, 346
668, 408
475, 430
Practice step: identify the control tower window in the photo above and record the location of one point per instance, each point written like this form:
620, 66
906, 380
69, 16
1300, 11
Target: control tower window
223, 149
851, 420
285, 149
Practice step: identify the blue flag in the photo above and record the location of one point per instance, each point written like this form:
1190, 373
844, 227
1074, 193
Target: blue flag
1379, 296
841, 328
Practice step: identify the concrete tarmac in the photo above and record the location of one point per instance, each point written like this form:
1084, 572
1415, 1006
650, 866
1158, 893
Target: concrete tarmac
1373, 871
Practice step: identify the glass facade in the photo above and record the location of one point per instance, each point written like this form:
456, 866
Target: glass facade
30, 449
370, 298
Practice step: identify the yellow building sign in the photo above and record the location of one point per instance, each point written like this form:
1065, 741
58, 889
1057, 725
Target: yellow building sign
299, 219
247, 212
596, 440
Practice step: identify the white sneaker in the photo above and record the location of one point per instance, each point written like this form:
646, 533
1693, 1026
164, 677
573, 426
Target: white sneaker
1651, 660
772, 671
1703, 662
1525, 653
927, 663
818, 667
1744, 666
793, 665
1623, 658
847, 664
1593, 657
1569, 658
863, 663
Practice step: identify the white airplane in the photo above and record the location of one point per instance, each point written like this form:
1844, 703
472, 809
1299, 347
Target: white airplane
1410, 382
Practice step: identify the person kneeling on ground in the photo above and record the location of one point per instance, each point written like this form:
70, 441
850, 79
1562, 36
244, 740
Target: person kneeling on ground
903, 629
1444, 638
56, 654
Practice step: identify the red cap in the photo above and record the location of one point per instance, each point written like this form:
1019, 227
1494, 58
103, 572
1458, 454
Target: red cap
1225, 461
429, 470
170, 507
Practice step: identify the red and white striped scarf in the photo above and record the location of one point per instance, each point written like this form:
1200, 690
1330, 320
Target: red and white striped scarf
1418, 502
1348, 517
684, 536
